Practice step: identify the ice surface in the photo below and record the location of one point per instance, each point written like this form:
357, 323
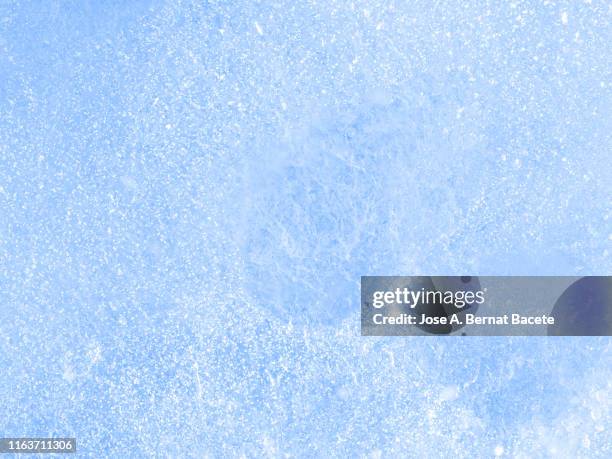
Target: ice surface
189, 192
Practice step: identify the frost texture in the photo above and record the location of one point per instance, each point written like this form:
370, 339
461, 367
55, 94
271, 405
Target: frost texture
189, 193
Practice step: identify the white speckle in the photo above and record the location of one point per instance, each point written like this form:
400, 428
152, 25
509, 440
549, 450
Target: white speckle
69, 374
168, 126
564, 18
258, 28
196, 370
129, 182
498, 451
269, 446
95, 354
379, 26
391, 357
343, 393
586, 441
449, 394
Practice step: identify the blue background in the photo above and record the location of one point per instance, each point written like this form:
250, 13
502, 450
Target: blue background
190, 191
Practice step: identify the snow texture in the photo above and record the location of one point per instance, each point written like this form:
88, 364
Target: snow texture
190, 192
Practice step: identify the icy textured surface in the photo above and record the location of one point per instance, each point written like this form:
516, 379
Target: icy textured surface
189, 193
